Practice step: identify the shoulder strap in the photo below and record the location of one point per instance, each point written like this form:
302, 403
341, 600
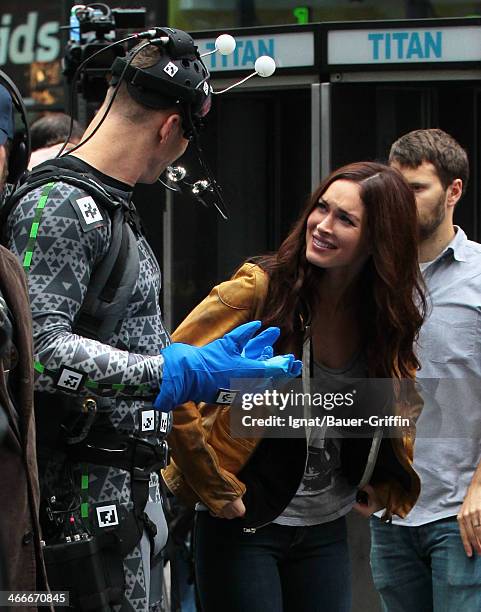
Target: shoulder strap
50, 172
47, 173
111, 285
113, 279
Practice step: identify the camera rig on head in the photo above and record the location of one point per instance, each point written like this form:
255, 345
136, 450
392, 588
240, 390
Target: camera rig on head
178, 79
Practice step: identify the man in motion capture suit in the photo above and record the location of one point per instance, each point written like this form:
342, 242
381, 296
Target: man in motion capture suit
94, 287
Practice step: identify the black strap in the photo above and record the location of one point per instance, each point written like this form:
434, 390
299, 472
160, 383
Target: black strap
112, 283
109, 291
46, 173
140, 458
136, 455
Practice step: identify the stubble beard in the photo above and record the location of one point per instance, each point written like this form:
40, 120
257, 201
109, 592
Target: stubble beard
429, 225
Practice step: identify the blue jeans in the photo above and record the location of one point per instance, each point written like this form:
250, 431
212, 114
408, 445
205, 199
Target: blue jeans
277, 568
424, 569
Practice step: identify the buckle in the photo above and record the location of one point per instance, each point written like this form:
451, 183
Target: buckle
156, 458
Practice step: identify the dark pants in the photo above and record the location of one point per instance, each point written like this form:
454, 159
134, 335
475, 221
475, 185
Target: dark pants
277, 568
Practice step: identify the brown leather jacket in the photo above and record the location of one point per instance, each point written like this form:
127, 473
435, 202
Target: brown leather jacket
211, 466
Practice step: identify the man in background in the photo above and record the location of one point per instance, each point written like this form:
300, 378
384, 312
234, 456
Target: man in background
48, 133
431, 559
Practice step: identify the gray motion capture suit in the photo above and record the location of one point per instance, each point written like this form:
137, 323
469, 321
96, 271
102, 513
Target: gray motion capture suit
74, 234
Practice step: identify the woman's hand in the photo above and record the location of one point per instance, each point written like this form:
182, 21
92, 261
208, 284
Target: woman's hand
367, 502
232, 510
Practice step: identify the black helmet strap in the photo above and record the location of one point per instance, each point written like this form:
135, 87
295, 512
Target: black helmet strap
144, 82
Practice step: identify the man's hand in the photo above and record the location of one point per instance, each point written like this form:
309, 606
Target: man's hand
232, 510
367, 502
469, 519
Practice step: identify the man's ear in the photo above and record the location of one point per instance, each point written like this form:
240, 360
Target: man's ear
169, 126
455, 191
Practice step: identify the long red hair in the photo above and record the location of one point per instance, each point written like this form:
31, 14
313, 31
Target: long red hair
392, 303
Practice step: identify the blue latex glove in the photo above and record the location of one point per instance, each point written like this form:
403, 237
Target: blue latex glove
199, 373
260, 346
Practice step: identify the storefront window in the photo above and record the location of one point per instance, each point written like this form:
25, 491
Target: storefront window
211, 14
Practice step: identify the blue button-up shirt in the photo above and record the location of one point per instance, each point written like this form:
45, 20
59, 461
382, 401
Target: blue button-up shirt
448, 441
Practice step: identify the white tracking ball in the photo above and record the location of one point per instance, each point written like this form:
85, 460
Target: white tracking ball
225, 44
265, 66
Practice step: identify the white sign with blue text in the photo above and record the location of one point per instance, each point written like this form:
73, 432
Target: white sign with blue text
404, 45
288, 51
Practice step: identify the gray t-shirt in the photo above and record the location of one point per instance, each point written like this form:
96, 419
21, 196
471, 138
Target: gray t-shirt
324, 493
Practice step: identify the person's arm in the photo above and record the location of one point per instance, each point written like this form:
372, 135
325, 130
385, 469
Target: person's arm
64, 255
195, 461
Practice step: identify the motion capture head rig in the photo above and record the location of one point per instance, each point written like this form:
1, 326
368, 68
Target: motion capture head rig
179, 79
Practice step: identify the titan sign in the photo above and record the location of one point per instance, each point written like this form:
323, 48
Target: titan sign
289, 50
405, 46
